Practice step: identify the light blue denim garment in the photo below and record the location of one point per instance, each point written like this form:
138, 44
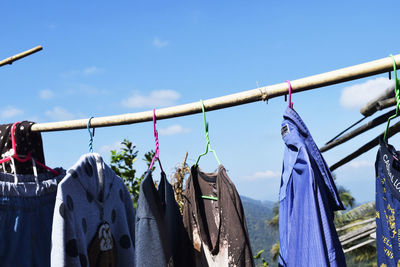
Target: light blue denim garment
307, 199
26, 216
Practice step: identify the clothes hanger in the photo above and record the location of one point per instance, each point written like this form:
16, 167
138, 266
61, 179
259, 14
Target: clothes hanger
91, 135
14, 155
99, 161
156, 156
208, 147
396, 92
290, 95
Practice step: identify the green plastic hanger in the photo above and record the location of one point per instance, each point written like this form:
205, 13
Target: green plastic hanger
397, 95
208, 148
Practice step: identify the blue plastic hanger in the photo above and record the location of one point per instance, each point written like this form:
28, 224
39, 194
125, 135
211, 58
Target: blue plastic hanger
91, 134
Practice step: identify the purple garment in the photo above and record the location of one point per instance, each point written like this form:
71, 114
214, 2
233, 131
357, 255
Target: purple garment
307, 199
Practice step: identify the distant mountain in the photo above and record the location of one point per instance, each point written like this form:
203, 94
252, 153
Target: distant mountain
262, 236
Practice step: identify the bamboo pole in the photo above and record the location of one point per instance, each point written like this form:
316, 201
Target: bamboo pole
358, 245
368, 146
10, 60
376, 104
363, 128
254, 95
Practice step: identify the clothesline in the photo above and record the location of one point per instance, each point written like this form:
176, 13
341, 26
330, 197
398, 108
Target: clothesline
10, 60
259, 94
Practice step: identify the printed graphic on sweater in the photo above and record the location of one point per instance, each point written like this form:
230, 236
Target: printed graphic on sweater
102, 251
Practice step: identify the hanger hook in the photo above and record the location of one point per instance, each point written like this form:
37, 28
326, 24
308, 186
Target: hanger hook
205, 123
157, 155
208, 145
290, 94
397, 96
156, 134
91, 134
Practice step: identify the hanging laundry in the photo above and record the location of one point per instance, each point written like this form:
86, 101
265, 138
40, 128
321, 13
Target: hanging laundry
28, 142
217, 229
387, 167
93, 217
307, 199
161, 239
26, 216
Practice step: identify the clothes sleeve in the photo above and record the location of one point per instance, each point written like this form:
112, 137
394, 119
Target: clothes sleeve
64, 251
130, 214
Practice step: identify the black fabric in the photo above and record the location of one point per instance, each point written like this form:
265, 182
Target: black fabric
161, 238
26, 141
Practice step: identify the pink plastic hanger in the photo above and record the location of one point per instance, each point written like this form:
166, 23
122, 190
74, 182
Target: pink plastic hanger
157, 145
290, 95
25, 158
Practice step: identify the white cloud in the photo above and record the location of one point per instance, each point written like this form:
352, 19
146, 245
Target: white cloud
159, 43
46, 94
173, 129
87, 90
92, 70
264, 175
159, 98
10, 111
59, 114
107, 148
357, 95
82, 72
360, 163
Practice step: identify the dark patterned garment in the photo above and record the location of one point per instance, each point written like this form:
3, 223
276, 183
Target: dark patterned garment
217, 229
27, 141
161, 239
387, 203
94, 219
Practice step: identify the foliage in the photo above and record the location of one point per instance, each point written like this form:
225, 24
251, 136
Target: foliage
258, 257
274, 222
177, 181
275, 251
365, 255
345, 196
262, 235
122, 165
361, 212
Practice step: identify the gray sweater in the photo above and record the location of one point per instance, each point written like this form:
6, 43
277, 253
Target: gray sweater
161, 239
91, 226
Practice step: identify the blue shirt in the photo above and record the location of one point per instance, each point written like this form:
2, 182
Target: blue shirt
307, 199
387, 168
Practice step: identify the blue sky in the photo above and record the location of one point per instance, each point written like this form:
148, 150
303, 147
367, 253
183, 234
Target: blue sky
102, 58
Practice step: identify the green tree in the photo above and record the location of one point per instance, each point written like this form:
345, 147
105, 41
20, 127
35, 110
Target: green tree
264, 263
122, 164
